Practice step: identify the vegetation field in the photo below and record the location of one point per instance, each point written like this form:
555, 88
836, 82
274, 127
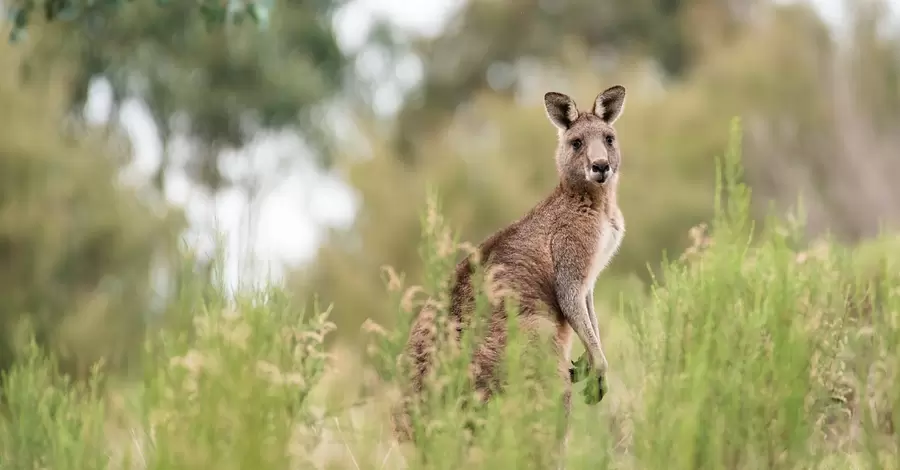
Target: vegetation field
754, 349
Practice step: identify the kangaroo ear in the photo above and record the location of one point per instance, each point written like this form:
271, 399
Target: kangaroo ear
560, 109
609, 104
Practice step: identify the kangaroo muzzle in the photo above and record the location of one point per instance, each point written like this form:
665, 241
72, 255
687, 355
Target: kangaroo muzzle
599, 171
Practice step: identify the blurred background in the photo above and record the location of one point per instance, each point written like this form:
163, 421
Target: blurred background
309, 146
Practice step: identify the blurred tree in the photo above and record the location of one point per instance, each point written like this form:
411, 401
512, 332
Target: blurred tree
487, 41
217, 87
212, 13
76, 246
875, 59
867, 106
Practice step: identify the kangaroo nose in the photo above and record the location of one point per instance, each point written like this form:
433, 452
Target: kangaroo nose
600, 167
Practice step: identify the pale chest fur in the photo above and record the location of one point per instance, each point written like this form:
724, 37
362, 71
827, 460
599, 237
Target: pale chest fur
608, 239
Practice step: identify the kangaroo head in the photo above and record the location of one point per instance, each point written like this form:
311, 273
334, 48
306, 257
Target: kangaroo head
587, 155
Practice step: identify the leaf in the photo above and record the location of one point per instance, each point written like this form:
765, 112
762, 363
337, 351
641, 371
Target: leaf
580, 369
259, 13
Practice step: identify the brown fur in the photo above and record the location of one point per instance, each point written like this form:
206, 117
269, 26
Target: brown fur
548, 260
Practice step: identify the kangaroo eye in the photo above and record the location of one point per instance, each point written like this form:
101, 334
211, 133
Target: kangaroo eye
610, 139
576, 144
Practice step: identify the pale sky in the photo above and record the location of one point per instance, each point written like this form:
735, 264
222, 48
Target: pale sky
290, 220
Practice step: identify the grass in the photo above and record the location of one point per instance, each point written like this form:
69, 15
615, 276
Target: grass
755, 349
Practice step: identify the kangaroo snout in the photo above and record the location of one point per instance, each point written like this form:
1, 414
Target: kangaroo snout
599, 171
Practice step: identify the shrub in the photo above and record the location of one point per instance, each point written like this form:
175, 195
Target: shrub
48, 421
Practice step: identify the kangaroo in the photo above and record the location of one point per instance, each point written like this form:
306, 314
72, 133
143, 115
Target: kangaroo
549, 259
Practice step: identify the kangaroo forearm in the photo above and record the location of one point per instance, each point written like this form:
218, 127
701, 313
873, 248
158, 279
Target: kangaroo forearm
575, 311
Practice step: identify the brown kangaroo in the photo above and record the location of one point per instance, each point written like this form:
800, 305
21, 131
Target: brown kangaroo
548, 260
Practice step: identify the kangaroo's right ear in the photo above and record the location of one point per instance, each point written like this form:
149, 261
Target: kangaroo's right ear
560, 109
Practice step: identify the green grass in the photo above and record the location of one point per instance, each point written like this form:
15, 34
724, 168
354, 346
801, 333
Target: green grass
754, 350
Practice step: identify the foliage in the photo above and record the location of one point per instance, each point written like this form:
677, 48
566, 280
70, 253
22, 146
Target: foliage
50, 422
230, 393
759, 353
210, 92
265, 353
212, 13
77, 247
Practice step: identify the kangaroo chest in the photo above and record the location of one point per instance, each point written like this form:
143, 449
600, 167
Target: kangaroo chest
608, 239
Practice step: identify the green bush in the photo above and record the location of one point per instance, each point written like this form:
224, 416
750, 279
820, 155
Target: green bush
234, 395
49, 422
230, 392
757, 353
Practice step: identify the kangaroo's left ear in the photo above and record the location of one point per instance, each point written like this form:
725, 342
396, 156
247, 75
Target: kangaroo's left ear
609, 104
